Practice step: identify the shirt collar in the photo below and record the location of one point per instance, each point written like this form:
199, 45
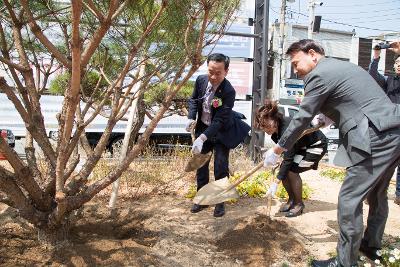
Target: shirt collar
209, 85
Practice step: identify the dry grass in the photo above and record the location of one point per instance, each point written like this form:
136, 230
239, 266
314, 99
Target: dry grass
153, 173
158, 173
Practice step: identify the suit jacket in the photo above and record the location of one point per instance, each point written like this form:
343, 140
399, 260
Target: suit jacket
349, 96
303, 143
226, 125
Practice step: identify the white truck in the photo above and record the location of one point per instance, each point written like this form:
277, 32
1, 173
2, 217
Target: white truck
167, 132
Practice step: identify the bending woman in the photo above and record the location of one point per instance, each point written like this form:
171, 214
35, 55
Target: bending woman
305, 154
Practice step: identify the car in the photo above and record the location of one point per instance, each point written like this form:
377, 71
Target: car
8, 136
332, 133
287, 110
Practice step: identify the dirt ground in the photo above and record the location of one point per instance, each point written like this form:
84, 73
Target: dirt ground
160, 231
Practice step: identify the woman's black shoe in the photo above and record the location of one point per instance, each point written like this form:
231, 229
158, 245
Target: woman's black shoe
296, 210
286, 206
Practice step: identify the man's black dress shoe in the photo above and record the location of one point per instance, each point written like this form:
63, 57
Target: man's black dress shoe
369, 252
332, 262
219, 210
196, 208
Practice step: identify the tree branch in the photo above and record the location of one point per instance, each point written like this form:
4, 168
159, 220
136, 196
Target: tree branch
92, 7
99, 34
13, 65
72, 96
19, 201
29, 123
24, 177
37, 31
20, 87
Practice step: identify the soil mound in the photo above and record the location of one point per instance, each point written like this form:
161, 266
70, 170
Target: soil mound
262, 242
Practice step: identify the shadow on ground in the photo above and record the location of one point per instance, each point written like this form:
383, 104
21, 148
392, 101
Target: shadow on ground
263, 241
95, 239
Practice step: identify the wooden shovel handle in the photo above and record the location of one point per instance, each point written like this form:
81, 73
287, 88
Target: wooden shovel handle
247, 175
261, 164
184, 110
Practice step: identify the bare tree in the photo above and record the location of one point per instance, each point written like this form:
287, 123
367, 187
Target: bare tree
40, 37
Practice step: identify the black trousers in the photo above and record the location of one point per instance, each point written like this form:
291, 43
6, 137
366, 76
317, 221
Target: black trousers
221, 163
221, 160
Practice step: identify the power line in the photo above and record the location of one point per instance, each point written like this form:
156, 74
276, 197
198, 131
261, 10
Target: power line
369, 17
364, 4
345, 24
369, 21
359, 12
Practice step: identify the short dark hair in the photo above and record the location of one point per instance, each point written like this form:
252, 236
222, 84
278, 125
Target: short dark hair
269, 111
218, 57
305, 45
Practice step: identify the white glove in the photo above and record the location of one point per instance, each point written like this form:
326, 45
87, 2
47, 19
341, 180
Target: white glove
270, 158
189, 125
321, 119
198, 144
272, 189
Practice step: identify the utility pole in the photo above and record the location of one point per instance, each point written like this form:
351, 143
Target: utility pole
259, 71
281, 41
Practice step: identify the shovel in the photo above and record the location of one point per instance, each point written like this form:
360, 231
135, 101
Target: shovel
222, 190
197, 160
269, 196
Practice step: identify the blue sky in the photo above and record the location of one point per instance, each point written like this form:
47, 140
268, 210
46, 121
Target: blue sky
368, 17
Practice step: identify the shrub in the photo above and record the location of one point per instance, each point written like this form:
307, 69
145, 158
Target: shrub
156, 93
89, 82
255, 186
305, 194
334, 174
390, 258
191, 192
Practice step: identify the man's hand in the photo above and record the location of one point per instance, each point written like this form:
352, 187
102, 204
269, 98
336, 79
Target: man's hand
198, 144
321, 121
272, 189
395, 47
270, 158
377, 53
189, 125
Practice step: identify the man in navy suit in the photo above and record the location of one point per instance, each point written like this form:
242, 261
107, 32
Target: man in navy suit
218, 128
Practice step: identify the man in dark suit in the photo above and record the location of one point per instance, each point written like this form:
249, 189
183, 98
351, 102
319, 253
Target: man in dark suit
391, 86
370, 134
218, 128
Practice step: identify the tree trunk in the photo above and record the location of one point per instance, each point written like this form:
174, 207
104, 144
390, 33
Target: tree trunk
55, 237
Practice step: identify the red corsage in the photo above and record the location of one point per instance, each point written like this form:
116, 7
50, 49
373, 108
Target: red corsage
216, 102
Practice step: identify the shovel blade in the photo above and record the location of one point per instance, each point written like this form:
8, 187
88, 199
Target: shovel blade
197, 161
215, 192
